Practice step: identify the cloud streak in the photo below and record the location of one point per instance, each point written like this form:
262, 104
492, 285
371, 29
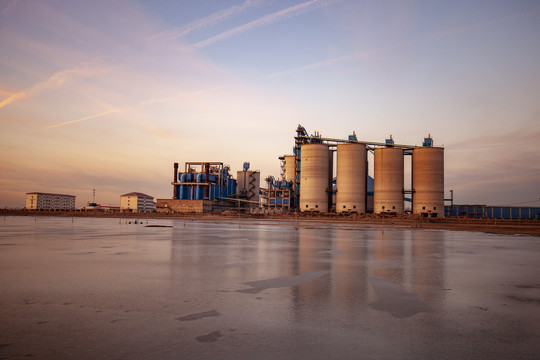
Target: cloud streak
281, 15
209, 20
56, 80
110, 111
142, 104
324, 63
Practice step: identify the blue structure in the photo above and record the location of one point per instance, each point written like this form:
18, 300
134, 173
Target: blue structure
428, 142
492, 212
210, 182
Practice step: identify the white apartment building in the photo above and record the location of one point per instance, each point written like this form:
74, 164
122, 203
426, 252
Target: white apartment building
46, 201
137, 202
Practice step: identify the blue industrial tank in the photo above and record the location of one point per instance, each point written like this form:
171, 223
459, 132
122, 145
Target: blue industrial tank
199, 189
183, 192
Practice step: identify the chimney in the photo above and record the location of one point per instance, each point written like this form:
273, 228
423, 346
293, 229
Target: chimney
175, 180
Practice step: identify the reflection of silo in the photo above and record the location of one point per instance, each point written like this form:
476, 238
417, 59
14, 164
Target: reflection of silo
428, 181
290, 167
315, 176
351, 178
388, 187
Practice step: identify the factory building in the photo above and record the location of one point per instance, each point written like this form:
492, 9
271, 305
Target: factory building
48, 201
278, 194
208, 186
493, 212
313, 180
248, 185
137, 202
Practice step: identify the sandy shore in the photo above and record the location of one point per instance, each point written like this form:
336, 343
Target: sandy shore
495, 226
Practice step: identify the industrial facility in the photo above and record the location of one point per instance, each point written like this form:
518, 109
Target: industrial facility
329, 175
307, 181
209, 186
314, 175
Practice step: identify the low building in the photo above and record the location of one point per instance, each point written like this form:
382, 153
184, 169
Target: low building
137, 202
48, 201
184, 206
98, 207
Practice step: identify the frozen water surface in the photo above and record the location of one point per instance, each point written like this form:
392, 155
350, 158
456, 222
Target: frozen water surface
100, 288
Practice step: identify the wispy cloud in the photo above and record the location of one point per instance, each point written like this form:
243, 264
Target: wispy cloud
209, 20
324, 63
281, 15
141, 104
56, 80
110, 111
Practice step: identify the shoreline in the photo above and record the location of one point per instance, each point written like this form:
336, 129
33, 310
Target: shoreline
492, 226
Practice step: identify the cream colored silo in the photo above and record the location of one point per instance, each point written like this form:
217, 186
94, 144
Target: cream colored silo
315, 177
290, 168
388, 185
351, 178
428, 181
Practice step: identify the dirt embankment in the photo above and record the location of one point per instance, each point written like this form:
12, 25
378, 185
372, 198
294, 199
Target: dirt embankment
496, 226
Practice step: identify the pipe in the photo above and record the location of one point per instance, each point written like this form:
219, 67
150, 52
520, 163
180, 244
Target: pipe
175, 180
207, 179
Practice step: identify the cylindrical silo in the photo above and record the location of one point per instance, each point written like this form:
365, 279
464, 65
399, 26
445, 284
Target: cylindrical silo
428, 181
388, 185
290, 167
314, 176
351, 178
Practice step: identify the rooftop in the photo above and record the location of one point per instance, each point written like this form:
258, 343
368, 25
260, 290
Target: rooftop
138, 194
42, 193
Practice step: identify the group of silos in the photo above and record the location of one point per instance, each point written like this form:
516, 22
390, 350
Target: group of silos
351, 174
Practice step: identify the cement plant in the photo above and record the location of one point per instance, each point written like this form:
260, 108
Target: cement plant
309, 184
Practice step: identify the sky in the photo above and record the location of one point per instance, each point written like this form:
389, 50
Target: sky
107, 95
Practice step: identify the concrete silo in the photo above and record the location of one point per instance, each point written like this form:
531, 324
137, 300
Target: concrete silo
351, 178
388, 187
428, 181
315, 177
290, 167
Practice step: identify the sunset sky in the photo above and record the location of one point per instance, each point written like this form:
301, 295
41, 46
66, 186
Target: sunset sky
107, 95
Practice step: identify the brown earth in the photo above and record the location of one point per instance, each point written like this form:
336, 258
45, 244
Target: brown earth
496, 226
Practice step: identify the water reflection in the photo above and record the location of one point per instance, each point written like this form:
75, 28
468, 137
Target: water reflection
217, 290
340, 271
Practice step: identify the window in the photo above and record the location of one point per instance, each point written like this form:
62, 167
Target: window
383, 207
307, 205
344, 206
423, 208
316, 206
354, 207
393, 207
434, 208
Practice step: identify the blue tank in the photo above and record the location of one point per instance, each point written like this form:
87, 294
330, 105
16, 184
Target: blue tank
233, 192
182, 192
199, 190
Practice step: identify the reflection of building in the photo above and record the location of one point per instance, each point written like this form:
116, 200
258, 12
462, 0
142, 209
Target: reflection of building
137, 202
46, 201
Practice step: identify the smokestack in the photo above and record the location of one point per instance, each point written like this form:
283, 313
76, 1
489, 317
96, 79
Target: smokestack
175, 180
207, 180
